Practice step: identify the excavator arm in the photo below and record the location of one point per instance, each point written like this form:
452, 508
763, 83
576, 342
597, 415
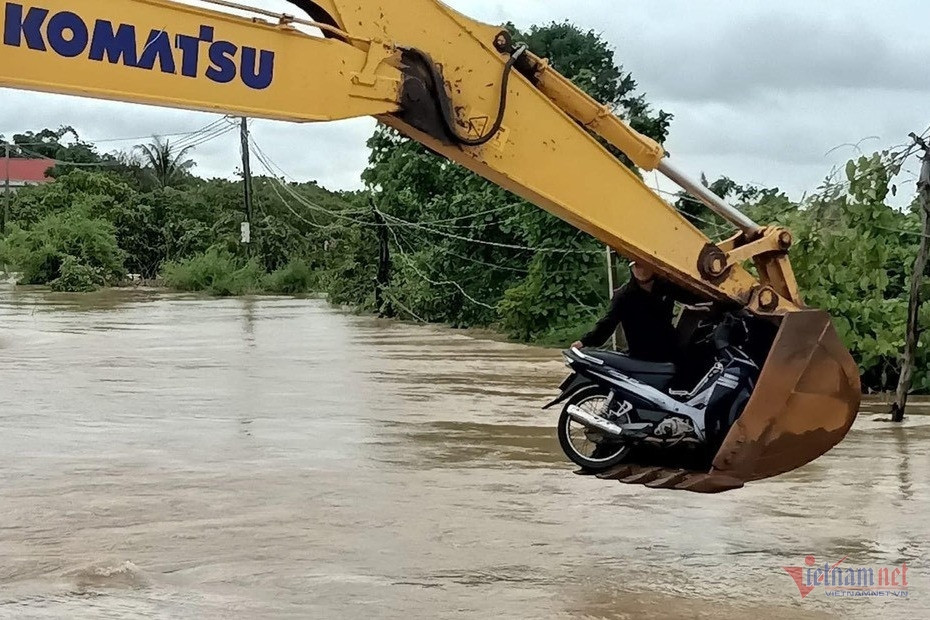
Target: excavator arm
468, 92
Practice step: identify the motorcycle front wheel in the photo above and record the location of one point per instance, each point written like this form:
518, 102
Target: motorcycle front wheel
585, 447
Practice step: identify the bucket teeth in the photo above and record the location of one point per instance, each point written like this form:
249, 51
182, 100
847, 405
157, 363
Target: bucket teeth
642, 475
666, 478
584, 472
615, 473
670, 479
709, 483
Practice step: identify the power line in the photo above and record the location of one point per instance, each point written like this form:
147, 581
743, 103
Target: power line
268, 159
105, 140
480, 262
208, 135
67, 163
304, 201
295, 213
397, 241
410, 264
692, 216
901, 231
405, 308
472, 226
472, 216
507, 246
270, 165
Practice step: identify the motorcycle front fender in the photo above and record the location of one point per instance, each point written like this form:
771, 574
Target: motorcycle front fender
572, 384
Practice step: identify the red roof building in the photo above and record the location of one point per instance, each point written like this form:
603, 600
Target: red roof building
22, 172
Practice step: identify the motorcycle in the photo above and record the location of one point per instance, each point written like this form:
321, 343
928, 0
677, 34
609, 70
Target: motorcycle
618, 409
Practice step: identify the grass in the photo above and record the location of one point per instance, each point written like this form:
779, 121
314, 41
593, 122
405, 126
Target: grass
222, 274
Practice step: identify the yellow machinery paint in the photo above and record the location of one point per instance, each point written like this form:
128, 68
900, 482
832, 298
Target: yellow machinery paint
312, 81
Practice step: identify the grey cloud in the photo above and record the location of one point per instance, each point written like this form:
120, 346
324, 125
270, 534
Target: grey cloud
784, 52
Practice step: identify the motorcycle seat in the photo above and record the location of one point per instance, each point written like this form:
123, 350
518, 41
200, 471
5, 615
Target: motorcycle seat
657, 374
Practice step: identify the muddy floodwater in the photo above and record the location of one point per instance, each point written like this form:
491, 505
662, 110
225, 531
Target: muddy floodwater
164, 456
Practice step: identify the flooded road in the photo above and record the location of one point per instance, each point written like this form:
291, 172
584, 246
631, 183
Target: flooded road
168, 457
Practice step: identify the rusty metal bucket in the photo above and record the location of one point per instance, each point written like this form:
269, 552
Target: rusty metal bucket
805, 402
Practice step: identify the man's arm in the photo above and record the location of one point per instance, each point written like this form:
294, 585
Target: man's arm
605, 328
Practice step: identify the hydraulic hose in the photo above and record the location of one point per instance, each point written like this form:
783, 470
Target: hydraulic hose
445, 103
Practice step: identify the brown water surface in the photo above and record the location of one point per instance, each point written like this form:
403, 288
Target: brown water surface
164, 456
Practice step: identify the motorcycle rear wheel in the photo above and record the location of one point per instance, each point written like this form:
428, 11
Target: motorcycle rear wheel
585, 447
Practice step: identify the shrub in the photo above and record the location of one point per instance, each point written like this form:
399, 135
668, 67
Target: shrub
76, 277
216, 272
70, 246
294, 278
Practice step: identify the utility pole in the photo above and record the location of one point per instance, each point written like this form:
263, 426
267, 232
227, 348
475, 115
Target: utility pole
610, 288
6, 190
917, 278
247, 183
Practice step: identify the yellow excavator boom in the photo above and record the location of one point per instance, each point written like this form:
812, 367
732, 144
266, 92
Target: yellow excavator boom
468, 92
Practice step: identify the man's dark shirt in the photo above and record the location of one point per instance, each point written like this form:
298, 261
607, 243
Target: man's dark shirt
646, 317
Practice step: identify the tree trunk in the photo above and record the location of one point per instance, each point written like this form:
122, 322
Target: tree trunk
913, 307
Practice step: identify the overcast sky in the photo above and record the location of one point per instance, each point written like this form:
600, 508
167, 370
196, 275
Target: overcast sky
761, 91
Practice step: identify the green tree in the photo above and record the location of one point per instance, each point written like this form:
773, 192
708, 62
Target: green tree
852, 259
50, 143
168, 165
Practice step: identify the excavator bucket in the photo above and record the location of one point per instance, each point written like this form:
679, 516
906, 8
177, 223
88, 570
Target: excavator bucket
805, 402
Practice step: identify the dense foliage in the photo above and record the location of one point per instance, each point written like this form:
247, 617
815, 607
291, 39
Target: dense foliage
461, 250
70, 250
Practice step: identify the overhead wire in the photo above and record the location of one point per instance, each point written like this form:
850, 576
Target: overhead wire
473, 215
256, 150
901, 231
288, 206
270, 165
210, 132
303, 200
426, 278
718, 228
213, 134
394, 301
59, 162
716, 225
896, 160
508, 246
201, 136
482, 263
185, 134
275, 181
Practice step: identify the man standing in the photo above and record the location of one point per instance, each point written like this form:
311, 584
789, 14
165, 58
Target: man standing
645, 307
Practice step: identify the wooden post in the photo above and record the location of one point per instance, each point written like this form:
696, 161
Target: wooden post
913, 307
6, 191
247, 232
